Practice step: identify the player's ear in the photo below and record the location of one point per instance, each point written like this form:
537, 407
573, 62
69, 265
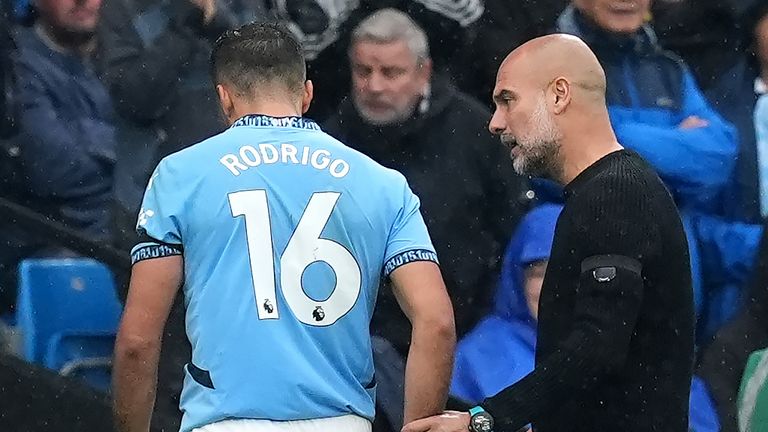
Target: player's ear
561, 91
226, 102
306, 100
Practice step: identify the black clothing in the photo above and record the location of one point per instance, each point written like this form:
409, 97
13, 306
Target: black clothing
471, 198
36, 399
616, 320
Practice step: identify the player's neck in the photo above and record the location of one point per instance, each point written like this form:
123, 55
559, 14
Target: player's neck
268, 108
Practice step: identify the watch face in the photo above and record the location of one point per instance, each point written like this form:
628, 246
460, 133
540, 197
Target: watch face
482, 422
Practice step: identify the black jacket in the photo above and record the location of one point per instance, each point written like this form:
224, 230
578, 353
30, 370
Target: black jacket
470, 197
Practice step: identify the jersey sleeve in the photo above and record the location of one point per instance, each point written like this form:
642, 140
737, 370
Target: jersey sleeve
409, 239
158, 221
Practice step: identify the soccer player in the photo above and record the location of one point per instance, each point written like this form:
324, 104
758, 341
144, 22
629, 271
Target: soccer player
279, 236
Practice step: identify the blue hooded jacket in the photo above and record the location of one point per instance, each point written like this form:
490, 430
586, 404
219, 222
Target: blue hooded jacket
500, 350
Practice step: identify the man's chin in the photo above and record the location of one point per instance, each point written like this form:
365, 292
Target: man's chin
377, 118
526, 168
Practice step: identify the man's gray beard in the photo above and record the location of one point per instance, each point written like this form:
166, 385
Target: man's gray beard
401, 117
541, 162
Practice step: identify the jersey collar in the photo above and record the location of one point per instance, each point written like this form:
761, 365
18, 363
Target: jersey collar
261, 120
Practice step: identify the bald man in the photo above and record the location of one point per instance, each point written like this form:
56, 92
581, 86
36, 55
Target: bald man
615, 331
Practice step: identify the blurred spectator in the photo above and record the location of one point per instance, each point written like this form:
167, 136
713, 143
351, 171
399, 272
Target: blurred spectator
154, 58
723, 361
66, 144
405, 119
655, 106
706, 33
324, 27
501, 349
718, 40
65, 115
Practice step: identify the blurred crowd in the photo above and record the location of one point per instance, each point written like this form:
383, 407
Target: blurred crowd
96, 92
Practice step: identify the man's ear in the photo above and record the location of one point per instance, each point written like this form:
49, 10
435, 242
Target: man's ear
225, 102
561, 91
306, 100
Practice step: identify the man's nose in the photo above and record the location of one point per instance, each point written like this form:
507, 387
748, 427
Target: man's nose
376, 83
497, 125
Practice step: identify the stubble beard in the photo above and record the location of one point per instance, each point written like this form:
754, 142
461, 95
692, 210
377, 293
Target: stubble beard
538, 151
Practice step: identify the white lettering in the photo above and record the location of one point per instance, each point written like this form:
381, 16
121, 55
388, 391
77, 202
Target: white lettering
272, 157
230, 161
289, 151
250, 155
317, 162
344, 168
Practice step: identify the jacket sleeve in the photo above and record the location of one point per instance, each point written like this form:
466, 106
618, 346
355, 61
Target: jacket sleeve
62, 158
142, 73
694, 163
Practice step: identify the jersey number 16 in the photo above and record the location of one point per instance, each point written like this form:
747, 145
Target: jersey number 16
304, 248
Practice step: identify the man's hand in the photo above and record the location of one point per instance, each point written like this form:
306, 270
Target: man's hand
449, 421
208, 7
693, 122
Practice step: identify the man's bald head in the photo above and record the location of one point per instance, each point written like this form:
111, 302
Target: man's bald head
545, 90
542, 61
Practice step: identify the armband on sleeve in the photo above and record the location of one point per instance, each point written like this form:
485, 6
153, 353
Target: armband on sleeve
149, 248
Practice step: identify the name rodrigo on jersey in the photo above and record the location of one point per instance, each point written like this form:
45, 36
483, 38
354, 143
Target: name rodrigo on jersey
253, 156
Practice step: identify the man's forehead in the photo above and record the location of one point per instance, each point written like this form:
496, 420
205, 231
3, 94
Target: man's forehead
386, 52
508, 79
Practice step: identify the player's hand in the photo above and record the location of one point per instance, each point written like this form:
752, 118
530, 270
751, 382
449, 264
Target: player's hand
208, 7
693, 122
449, 421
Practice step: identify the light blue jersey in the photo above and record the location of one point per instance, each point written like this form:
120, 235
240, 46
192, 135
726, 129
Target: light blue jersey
285, 234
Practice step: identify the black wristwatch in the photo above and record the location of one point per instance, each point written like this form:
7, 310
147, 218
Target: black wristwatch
480, 420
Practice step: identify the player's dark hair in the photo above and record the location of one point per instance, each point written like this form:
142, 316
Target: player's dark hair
259, 54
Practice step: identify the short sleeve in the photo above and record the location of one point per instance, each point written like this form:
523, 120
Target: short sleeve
409, 239
158, 221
